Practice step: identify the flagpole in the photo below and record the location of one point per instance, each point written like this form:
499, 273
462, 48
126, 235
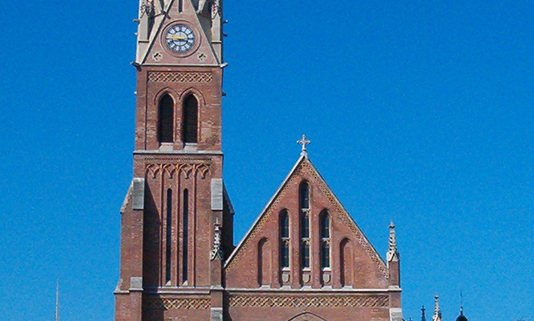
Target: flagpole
57, 300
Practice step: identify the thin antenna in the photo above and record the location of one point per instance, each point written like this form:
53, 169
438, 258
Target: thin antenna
57, 300
461, 303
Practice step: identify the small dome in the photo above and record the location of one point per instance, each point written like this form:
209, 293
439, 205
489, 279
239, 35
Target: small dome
461, 317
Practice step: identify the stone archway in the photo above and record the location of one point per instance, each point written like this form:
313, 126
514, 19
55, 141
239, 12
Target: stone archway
306, 316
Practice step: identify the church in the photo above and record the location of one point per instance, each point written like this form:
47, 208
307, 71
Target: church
437, 311
304, 258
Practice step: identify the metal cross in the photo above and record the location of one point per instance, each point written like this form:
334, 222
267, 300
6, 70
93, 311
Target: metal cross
303, 141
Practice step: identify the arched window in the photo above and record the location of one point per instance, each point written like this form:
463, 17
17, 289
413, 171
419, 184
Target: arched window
304, 196
284, 224
168, 238
325, 225
304, 202
166, 120
284, 239
190, 120
325, 239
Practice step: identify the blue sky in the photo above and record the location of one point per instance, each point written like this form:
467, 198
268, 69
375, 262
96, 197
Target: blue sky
418, 111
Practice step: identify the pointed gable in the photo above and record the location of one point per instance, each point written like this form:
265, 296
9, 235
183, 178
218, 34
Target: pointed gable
158, 17
323, 246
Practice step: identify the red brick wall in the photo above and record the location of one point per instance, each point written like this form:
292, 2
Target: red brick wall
362, 267
155, 81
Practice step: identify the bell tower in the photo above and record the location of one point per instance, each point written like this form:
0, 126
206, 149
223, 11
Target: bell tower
176, 218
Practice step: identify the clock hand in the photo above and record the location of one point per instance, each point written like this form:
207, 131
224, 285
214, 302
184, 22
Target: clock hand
175, 37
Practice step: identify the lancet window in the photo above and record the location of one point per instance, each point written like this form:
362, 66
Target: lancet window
284, 239
190, 120
325, 239
166, 120
304, 202
185, 226
168, 248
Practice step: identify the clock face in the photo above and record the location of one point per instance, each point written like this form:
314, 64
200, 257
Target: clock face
180, 38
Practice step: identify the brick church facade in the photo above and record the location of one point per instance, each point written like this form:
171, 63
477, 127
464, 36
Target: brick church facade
304, 258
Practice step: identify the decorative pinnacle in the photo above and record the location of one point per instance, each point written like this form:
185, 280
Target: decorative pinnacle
392, 238
216, 252
393, 254
303, 141
423, 316
437, 309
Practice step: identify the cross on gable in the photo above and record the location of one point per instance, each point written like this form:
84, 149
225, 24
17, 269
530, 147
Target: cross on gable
303, 141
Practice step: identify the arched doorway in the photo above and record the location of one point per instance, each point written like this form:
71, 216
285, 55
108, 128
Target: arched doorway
306, 316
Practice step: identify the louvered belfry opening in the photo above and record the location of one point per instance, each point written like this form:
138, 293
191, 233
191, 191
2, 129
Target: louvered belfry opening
166, 120
190, 120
